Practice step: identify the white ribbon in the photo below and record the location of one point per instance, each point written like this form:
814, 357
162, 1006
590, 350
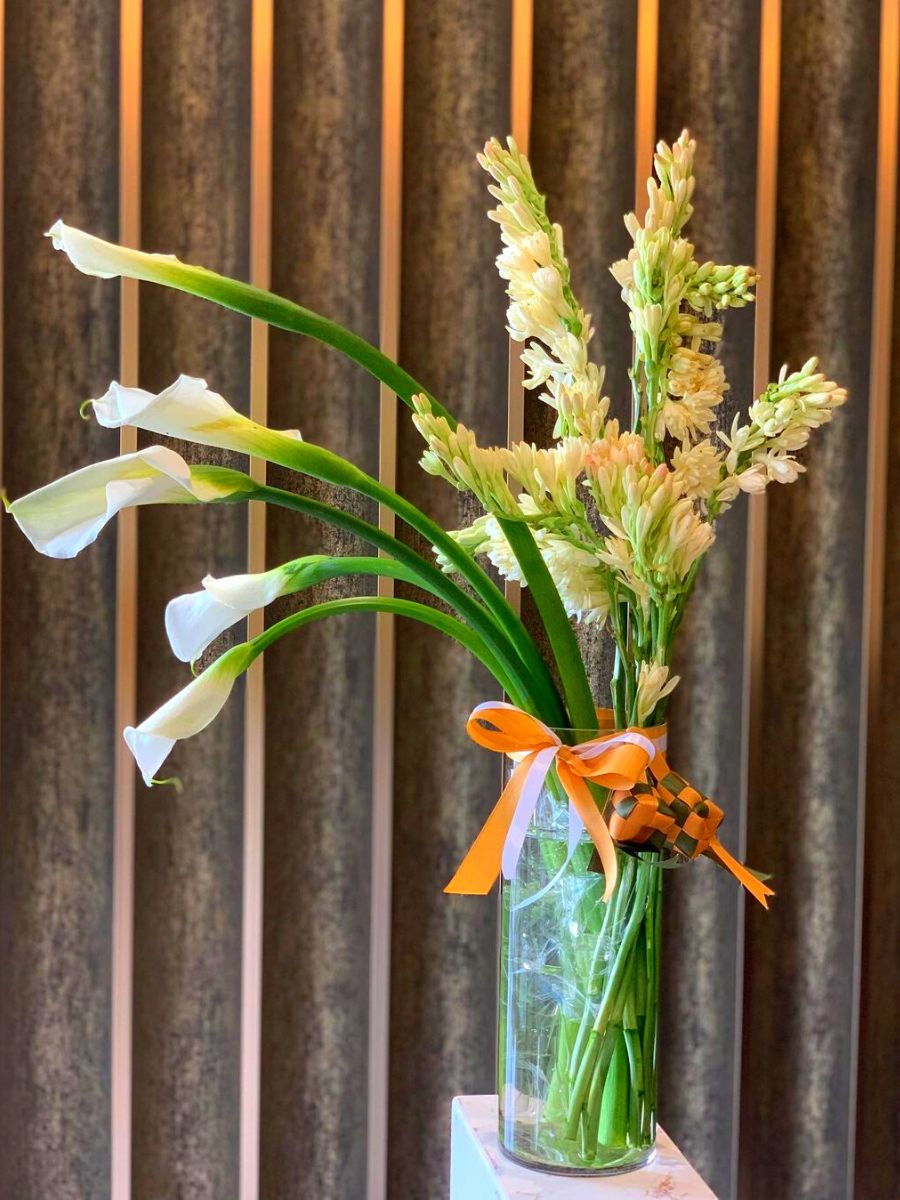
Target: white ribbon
531, 791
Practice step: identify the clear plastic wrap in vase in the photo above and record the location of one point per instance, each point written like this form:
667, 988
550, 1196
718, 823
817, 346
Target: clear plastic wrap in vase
579, 988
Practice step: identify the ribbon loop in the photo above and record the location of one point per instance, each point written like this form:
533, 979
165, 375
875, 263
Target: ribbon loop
646, 802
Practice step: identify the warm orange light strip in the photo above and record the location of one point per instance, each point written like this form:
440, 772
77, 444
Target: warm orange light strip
383, 717
766, 199
126, 618
520, 114
755, 574
645, 100
254, 696
876, 486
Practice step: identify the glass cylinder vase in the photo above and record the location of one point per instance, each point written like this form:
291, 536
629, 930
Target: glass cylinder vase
578, 1007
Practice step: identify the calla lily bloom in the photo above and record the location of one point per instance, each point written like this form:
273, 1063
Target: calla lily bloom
188, 712
196, 619
187, 409
63, 517
94, 256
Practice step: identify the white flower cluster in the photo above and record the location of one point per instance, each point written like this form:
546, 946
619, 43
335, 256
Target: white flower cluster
661, 282
454, 455
579, 575
578, 572
542, 305
649, 510
652, 515
666, 534
699, 468
653, 685
695, 386
712, 287
780, 422
549, 478
654, 276
653, 280
669, 201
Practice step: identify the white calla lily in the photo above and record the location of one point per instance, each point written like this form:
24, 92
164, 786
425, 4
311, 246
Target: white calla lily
63, 517
188, 712
196, 619
94, 256
187, 409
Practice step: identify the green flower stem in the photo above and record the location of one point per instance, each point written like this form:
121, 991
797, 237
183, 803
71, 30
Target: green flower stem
323, 464
576, 688
319, 568
635, 917
611, 918
635, 1059
285, 314
654, 932
535, 689
595, 1094
612, 1001
447, 625
614, 1110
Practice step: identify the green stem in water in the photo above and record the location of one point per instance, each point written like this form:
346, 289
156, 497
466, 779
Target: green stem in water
611, 916
597, 1088
606, 1013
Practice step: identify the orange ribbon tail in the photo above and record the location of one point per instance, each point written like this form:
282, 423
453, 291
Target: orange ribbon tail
478, 871
584, 804
759, 890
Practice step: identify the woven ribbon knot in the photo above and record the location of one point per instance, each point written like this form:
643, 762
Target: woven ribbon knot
647, 802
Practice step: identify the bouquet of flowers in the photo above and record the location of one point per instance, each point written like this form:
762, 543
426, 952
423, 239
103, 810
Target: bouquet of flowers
607, 525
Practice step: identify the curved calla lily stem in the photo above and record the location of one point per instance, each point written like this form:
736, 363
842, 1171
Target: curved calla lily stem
534, 679
441, 621
324, 464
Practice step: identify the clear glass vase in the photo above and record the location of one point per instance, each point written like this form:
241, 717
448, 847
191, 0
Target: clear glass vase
579, 988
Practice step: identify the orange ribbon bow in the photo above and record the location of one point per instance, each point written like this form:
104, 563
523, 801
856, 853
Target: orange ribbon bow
649, 802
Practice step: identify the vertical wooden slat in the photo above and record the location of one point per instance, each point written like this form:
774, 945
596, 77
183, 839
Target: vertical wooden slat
799, 1015
56, 741
752, 708
708, 77
2, 299
520, 125
327, 122
452, 338
195, 171
383, 717
130, 13
254, 712
877, 1149
583, 156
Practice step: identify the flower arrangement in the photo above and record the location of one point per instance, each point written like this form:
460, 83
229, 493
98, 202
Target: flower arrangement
607, 525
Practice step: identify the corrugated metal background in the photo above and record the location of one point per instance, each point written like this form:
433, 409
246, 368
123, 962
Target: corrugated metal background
230, 1040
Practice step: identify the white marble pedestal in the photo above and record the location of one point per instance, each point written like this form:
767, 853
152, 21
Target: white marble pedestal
480, 1171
